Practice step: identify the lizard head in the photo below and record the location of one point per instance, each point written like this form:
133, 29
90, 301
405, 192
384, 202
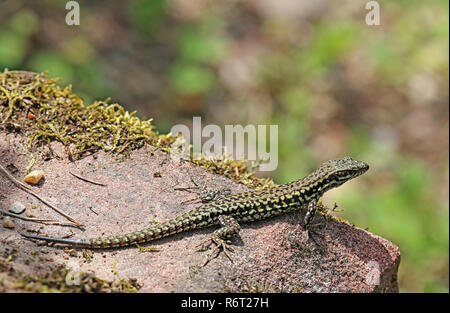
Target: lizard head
342, 170
333, 173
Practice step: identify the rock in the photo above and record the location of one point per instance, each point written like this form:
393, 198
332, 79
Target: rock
269, 256
17, 208
34, 177
8, 223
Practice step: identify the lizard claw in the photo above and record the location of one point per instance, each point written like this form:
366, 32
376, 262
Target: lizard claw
221, 245
309, 234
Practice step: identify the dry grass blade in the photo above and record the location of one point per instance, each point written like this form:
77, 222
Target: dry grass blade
87, 180
37, 220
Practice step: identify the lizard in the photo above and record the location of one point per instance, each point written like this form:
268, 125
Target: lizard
231, 210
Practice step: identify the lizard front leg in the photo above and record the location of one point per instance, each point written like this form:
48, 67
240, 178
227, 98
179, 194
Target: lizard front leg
222, 237
312, 208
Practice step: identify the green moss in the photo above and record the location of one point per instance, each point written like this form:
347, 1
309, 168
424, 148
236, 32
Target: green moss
36, 106
62, 116
59, 279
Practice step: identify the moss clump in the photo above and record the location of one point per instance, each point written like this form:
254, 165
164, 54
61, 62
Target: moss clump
236, 170
34, 105
60, 279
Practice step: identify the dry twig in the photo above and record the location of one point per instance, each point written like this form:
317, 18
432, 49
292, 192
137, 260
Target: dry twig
28, 189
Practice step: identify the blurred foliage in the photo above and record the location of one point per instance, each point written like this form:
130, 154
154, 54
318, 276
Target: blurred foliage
334, 85
146, 16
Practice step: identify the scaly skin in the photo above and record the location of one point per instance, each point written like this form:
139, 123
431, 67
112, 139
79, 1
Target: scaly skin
231, 210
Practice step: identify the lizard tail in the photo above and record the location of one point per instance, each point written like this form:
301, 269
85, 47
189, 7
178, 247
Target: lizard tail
161, 230
73, 242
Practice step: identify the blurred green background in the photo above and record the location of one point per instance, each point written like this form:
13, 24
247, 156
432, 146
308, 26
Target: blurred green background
334, 85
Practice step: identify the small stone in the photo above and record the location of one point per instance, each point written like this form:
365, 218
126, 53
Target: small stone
17, 208
28, 213
34, 177
8, 223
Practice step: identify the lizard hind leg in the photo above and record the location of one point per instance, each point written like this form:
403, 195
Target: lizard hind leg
204, 195
221, 238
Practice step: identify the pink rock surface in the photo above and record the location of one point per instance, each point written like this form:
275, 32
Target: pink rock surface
269, 256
